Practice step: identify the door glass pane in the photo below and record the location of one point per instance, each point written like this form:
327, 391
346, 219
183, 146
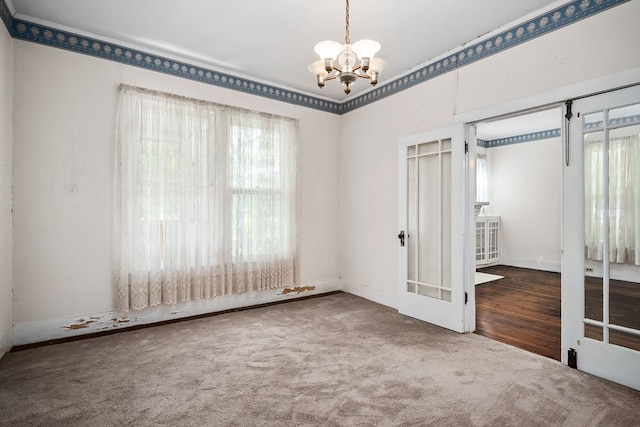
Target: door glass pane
593, 295
612, 225
594, 120
429, 225
628, 115
594, 220
412, 223
429, 219
429, 147
593, 332
624, 226
446, 219
428, 291
624, 339
624, 300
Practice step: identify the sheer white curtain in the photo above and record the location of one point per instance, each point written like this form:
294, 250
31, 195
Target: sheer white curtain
482, 178
623, 217
206, 200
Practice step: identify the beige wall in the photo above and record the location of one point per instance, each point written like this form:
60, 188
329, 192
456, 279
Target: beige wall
65, 110
6, 232
525, 191
595, 47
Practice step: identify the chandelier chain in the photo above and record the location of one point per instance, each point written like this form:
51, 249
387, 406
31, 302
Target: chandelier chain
347, 38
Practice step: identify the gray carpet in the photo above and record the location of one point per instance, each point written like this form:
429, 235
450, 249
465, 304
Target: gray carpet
337, 360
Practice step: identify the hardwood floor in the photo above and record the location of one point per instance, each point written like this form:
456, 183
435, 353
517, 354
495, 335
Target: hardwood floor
522, 310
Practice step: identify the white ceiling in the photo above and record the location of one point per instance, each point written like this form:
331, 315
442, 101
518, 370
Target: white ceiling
272, 41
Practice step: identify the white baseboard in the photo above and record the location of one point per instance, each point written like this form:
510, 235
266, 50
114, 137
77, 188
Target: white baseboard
60, 328
364, 291
6, 341
532, 264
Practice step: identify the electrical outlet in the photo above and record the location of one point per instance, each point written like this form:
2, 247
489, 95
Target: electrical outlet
589, 269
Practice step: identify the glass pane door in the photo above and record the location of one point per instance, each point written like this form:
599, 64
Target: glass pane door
432, 219
612, 226
601, 237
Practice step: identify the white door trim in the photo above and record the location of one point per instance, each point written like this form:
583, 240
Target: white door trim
553, 97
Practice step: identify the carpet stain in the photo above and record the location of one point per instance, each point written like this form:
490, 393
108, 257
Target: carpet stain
297, 289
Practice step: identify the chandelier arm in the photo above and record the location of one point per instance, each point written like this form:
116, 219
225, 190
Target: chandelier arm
337, 68
331, 77
364, 76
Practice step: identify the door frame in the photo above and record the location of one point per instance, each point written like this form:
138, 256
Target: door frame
532, 103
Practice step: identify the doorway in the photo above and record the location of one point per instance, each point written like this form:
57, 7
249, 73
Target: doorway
518, 230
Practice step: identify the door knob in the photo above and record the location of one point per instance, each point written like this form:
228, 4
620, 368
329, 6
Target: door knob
401, 237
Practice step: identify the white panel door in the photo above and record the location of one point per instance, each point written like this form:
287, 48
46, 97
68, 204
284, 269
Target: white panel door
432, 224
601, 234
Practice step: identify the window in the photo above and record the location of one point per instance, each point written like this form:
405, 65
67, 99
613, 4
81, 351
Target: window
482, 181
206, 200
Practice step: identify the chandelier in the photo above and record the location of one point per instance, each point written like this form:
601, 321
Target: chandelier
349, 61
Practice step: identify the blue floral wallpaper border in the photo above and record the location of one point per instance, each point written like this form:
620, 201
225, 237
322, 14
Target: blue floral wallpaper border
5, 15
556, 133
518, 139
557, 18
562, 16
619, 121
41, 34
